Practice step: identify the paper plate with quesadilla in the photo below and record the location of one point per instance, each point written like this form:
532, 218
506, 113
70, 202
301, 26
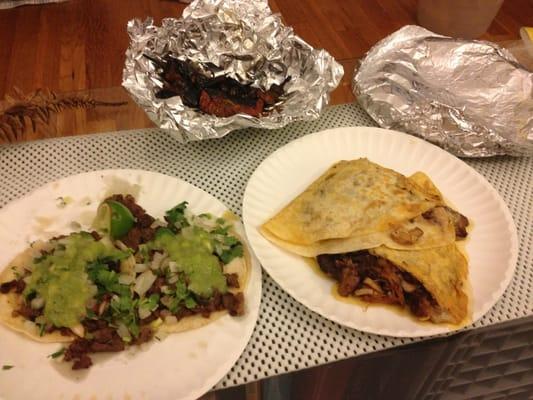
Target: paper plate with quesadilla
380, 231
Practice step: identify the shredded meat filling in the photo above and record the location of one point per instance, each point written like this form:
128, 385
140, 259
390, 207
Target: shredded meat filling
376, 280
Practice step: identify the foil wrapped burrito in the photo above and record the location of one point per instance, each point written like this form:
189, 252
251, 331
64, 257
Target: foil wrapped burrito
470, 97
240, 41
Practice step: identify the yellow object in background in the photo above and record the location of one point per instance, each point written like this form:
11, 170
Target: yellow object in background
526, 33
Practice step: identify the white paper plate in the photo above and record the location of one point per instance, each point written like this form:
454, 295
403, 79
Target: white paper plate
182, 366
492, 246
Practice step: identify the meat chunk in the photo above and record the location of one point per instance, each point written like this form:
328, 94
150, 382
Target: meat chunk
15, 285
145, 335
420, 303
27, 312
232, 280
216, 104
406, 236
156, 286
104, 339
83, 362
141, 232
460, 222
442, 215
349, 280
234, 303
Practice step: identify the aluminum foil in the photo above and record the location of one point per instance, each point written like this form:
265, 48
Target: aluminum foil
470, 97
249, 44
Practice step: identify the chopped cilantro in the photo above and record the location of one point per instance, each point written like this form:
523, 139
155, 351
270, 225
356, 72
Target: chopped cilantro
124, 309
176, 216
58, 353
150, 303
90, 314
182, 296
41, 329
231, 253
190, 303
105, 279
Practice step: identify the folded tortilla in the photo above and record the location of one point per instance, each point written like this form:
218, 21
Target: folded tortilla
357, 205
442, 271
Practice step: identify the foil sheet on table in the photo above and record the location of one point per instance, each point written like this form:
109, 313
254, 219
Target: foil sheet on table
250, 44
470, 97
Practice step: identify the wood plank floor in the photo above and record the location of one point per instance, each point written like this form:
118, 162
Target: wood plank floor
80, 44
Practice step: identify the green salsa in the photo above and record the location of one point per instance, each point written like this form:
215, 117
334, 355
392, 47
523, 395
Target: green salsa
193, 254
60, 278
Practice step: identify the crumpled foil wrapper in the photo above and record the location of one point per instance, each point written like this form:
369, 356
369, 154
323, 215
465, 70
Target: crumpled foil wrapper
470, 97
250, 44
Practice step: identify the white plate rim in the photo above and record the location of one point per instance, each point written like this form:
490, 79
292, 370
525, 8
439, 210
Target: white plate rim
372, 132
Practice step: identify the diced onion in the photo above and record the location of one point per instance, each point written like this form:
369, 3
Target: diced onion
364, 292
144, 312
372, 284
166, 290
27, 279
204, 222
143, 282
41, 320
166, 300
158, 223
37, 303
173, 278
126, 279
127, 265
156, 261
123, 332
140, 268
78, 330
121, 245
408, 287
164, 313
30, 326
173, 266
102, 307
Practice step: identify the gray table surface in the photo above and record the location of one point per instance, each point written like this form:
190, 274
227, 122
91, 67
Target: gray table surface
288, 336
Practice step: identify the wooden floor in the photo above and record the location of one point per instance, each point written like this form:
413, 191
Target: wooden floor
80, 44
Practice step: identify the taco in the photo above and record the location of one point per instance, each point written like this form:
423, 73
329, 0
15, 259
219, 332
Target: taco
127, 281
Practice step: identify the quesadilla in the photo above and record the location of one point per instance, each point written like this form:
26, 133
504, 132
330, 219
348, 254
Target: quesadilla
127, 282
384, 237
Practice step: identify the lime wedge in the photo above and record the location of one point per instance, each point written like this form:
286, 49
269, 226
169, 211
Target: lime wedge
114, 218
